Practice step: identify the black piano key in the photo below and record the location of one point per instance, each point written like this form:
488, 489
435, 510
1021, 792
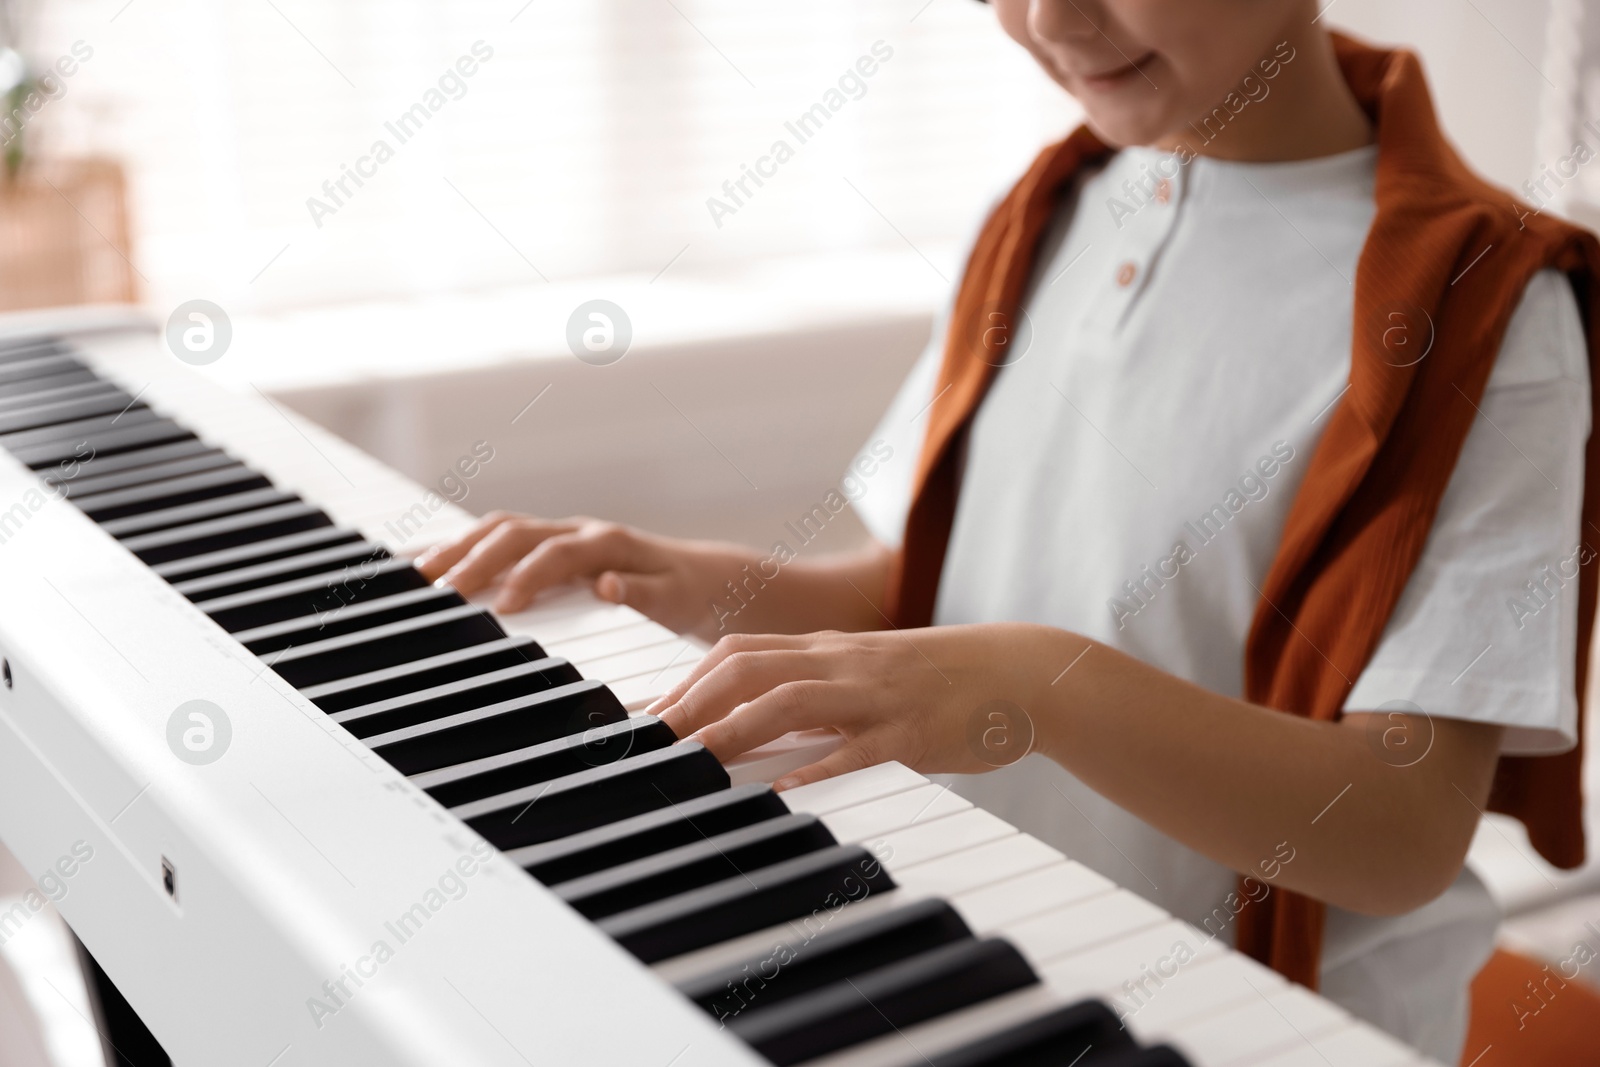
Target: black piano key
108, 443
37, 391
225, 560
352, 553
573, 754
1160, 1056
813, 883
188, 514
385, 646
449, 698
17, 348
645, 835
583, 801
814, 961
69, 410
20, 346
692, 866
409, 677
312, 594
212, 535
47, 366
20, 357
1088, 1031
276, 636
169, 493
90, 481
89, 467
496, 728
78, 429
883, 1001
20, 391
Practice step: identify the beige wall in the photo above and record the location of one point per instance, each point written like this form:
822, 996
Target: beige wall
1484, 60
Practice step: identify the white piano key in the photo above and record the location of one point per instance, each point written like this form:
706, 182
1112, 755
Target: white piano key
1009, 857
1352, 1045
380, 498
554, 602
400, 513
1279, 1021
318, 464
401, 520
1164, 977
777, 758
931, 839
642, 690
635, 661
869, 821
1081, 925
444, 532
1005, 904
571, 618
634, 635
851, 790
383, 497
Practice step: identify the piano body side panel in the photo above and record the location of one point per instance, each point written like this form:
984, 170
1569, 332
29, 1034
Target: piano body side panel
297, 853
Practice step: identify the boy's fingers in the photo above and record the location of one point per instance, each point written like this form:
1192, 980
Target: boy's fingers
648, 594
489, 557
790, 706
720, 651
580, 554
741, 678
440, 558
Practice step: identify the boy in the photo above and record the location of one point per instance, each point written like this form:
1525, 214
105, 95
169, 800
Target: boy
1242, 487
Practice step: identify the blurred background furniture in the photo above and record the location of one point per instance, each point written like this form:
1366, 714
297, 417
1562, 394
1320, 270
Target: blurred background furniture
65, 236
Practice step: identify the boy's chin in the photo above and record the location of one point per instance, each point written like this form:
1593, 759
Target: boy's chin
1121, 128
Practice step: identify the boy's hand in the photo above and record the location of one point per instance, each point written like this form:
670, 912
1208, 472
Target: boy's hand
937, 699
670, 580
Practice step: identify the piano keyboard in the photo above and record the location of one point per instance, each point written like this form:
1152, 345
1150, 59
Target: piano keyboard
872, 919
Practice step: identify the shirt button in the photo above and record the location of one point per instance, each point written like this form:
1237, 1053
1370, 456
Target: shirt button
1126, 274
1163, 191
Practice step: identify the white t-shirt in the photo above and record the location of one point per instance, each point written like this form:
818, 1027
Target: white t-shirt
1180, 359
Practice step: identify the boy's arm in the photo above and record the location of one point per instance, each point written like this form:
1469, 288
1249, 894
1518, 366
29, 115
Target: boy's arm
705, 588
1376, 811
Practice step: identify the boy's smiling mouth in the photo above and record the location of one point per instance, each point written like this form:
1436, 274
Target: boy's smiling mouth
1115, 76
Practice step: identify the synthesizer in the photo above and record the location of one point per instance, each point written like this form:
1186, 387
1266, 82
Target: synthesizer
319, 810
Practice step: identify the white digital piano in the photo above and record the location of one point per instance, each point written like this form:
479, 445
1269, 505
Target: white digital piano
317, 810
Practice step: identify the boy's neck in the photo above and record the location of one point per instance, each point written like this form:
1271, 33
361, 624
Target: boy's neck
1310, 111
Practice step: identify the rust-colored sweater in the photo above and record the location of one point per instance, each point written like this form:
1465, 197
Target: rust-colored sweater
1445, 261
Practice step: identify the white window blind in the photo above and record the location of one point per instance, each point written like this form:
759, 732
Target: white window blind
586, 140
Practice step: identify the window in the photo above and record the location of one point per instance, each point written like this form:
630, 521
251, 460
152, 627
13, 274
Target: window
285, 153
